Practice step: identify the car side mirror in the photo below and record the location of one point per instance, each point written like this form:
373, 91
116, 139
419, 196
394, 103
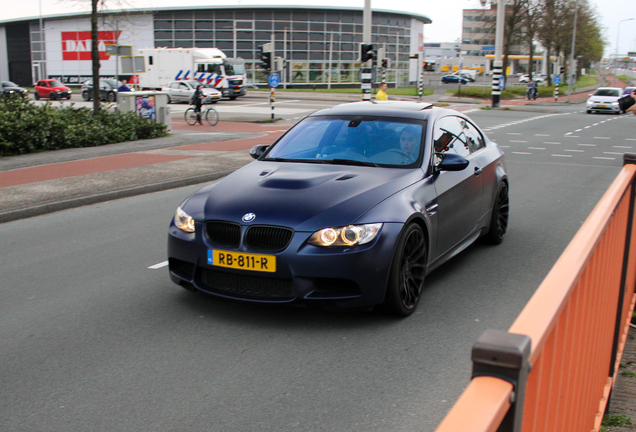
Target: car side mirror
452, 162
258, 150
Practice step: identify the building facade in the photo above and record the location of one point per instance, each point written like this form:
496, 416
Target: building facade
318, 45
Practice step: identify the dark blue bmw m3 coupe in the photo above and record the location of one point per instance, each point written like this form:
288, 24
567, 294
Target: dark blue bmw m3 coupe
352, 207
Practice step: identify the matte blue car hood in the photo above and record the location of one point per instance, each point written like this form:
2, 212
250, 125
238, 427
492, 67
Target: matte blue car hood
300, 196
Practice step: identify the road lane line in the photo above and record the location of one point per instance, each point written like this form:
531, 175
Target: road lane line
536, 148
587, 145
541, 135
602, 138
522, 153
551, 142
518, 141
625, 147
158, 266
616, 153
571, 136
558, 155
605, 158
630, 139
577, 151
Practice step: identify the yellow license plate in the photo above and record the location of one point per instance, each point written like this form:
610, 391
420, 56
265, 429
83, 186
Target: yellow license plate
237, 90
602, 106
243, 261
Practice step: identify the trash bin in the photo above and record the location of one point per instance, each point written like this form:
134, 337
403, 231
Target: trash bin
147, 104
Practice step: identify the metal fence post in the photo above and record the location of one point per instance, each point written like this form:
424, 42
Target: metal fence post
505, 356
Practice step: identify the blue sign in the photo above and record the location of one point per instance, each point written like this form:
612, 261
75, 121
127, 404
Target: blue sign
488, 48
274, 80
502, 82
556, 79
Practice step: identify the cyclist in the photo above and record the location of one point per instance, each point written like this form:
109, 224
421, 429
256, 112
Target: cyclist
197, 100
531, 93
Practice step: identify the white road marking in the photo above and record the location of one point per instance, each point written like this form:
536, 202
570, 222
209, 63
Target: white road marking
551, 142
616, 153
158, 266
630, 139
587, 145
567, 135
625, 147
541, 135
518, 141
522, 153
605, 158
558, 155
602, 138
577, 151
536, 148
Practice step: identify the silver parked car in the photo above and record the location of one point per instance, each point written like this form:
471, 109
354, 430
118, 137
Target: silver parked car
604, 99
182, 91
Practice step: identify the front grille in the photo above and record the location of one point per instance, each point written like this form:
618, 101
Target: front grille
248, 286
236, 82
268, 238
223, 234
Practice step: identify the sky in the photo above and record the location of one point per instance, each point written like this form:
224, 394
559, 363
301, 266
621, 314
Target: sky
446, 15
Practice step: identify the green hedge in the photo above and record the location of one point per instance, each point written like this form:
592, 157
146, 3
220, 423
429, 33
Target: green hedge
28, 128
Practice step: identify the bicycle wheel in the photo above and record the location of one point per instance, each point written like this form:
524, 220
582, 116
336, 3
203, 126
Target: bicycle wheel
190, 116
211, 116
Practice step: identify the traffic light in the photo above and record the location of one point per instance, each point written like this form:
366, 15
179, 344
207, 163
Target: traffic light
562, 70
424, 65
366, 52
386, 63
266, 56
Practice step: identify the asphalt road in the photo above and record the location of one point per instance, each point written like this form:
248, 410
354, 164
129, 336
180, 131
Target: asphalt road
92, 337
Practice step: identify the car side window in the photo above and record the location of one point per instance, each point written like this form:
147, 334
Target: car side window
474, 138
183, 86
449, 136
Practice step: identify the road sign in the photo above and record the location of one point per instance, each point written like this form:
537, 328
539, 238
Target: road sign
502, 82
556, 79
274, 80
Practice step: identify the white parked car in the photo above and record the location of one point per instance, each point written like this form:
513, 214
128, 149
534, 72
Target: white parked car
182, 91
604, 99
535, 78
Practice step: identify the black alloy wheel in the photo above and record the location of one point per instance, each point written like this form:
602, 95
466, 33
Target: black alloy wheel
86, 96
500, 214
407, 272
36, 95
53, 96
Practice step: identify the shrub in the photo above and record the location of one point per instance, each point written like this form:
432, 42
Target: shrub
28, 128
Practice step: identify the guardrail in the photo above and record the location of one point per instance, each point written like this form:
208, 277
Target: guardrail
555, 367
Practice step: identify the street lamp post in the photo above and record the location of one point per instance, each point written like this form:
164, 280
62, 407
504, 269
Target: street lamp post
571, 68
618, 32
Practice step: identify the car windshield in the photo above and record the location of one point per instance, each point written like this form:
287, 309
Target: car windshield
352, 140
56, 83
194, 83
234, 67
112, 83
8, 84
606, 92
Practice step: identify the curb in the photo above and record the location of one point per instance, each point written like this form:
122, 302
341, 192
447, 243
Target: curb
39, 210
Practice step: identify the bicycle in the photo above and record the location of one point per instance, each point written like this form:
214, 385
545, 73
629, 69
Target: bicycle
211, 116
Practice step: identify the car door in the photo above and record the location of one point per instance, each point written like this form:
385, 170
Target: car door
184, 92
459, 193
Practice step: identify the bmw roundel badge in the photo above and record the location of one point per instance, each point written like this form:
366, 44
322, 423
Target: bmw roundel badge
249, 217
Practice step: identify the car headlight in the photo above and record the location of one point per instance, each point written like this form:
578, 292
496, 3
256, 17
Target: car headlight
350, 235
183, 221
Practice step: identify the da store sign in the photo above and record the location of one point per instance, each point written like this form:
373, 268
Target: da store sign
76, 45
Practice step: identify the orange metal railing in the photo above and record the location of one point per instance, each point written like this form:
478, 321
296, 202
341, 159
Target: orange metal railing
577, 322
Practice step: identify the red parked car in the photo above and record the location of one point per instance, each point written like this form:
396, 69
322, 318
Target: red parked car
52, 89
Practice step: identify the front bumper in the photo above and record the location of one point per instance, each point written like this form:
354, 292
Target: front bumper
343, 277
605, 107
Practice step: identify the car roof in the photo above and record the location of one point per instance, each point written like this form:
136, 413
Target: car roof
403, 109
609, 88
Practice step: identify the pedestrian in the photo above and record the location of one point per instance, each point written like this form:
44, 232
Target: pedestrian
382, 96
123, 87
632, 109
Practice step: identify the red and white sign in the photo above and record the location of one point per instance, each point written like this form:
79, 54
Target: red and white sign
76, 45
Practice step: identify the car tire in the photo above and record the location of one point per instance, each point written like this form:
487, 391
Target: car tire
406, 277
169, 100
111, 97
500, 214
589, 111
53, 96
213, 102
86, 96
36, 95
